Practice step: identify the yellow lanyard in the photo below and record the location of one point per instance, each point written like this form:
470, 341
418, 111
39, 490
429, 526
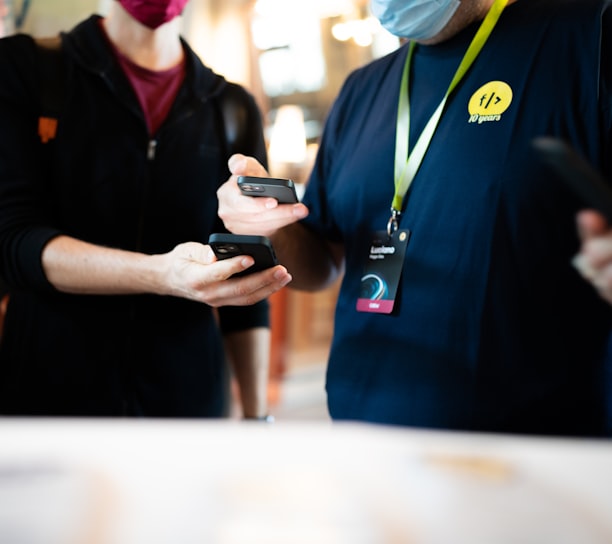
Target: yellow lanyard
406, 169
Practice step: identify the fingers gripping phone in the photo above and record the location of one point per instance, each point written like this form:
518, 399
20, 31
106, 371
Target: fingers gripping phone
260, 248
281, 189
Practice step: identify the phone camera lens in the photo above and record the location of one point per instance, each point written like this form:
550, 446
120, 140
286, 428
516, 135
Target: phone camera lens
227, 248
252, 188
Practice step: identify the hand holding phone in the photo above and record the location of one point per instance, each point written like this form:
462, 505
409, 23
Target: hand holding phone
260, 248
281, 189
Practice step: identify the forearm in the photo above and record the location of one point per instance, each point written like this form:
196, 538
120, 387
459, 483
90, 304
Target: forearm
313, 263
249, 355
77, 267
189, 271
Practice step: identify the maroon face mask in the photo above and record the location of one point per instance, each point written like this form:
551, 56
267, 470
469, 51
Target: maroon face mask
153, 13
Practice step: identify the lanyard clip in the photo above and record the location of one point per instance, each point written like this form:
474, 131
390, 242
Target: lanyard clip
393, 223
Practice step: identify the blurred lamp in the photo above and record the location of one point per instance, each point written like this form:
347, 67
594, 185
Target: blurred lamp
288, 136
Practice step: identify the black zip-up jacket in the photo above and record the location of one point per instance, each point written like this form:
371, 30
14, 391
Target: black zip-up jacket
105, 180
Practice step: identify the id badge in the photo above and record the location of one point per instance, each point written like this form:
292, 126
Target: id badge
382, 271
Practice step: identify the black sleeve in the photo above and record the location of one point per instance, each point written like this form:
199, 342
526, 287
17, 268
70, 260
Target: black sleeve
243, 123
240, 318
244, 134
23, 233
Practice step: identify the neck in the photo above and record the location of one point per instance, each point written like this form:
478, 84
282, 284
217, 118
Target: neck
468, 12
158, 49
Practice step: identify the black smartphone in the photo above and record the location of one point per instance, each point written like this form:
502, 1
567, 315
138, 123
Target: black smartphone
571, 167
280, 188
260, 248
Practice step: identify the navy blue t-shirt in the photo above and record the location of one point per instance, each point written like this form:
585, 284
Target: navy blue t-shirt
493, 329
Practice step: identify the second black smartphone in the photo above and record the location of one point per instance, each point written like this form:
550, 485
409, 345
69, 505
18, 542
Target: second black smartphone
280, 188
260, 248
579, 175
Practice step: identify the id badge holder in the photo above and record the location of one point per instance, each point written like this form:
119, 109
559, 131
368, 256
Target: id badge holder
382, 271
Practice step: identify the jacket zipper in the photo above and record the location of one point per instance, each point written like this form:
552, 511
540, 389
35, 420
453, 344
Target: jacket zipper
151, 153
129, 402
152, 148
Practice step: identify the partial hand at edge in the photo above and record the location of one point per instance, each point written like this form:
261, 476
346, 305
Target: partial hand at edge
594, 261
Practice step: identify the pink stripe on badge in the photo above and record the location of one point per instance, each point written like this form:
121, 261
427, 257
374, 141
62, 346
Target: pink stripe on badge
375, 306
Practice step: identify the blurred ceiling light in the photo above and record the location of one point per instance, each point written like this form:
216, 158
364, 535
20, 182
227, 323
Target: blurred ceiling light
319, 8
361, 31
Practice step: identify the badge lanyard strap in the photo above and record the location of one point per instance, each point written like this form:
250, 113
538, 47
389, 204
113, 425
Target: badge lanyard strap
406, 169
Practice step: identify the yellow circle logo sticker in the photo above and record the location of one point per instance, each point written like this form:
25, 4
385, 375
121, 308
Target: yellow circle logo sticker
489, 102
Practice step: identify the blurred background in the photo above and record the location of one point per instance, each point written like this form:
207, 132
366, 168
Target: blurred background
293, 55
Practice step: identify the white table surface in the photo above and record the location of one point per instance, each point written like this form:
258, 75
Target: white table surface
230, 482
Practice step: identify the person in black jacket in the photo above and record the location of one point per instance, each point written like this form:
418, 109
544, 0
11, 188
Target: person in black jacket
105, 211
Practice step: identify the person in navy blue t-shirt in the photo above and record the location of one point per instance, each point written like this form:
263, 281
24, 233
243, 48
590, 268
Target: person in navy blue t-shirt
460, 307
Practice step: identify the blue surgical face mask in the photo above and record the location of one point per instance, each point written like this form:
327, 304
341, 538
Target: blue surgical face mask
414, 19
